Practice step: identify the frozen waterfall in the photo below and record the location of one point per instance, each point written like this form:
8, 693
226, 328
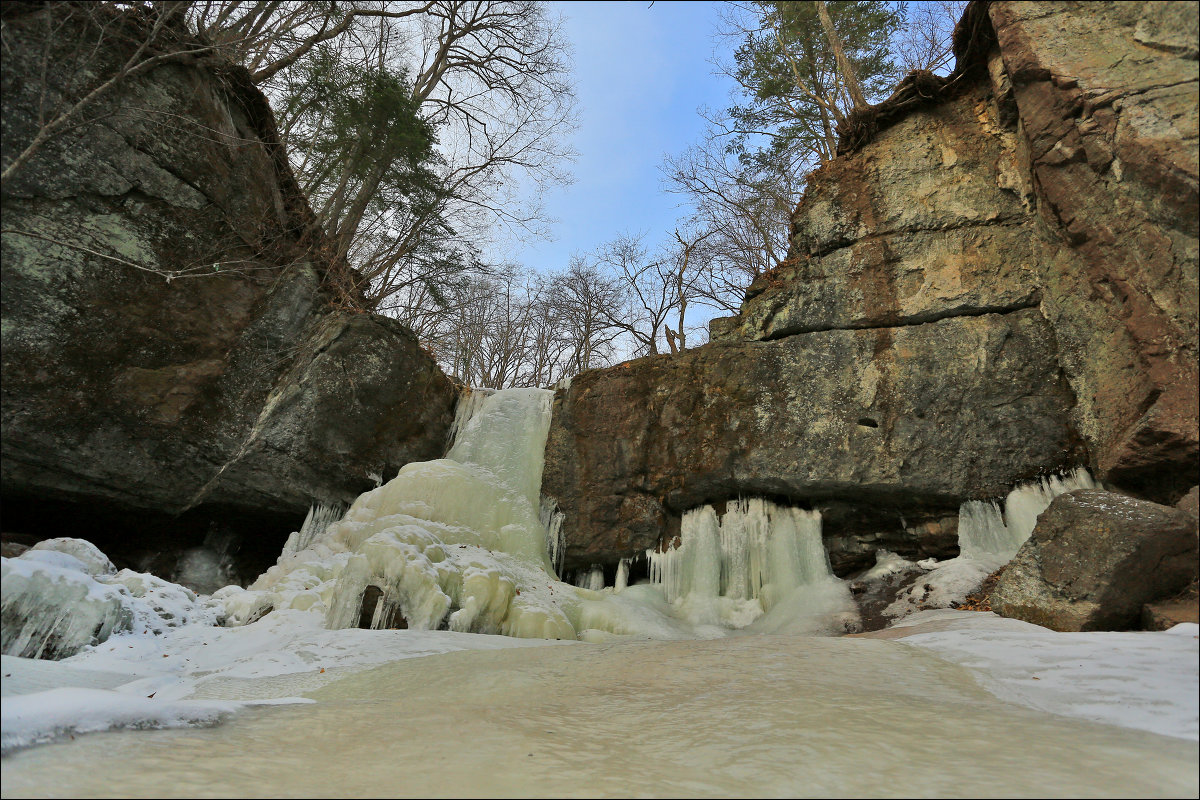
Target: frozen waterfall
466, 543
454, 542
989, 535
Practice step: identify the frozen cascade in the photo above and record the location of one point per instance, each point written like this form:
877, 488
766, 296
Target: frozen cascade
989, 535
465, 542
756, 558
455, 541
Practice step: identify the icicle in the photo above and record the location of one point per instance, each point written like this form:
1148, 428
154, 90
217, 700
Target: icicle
990, 533
320, 517
758, 553
591, 578
1026, 502
556, 544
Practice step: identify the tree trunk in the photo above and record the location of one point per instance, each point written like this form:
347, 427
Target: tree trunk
844, 66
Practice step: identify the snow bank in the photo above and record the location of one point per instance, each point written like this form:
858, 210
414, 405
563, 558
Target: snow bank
1147, 680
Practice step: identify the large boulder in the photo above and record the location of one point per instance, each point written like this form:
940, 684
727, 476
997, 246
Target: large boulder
169, 342
1095, 559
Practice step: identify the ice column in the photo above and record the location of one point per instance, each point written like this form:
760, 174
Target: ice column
990, 534
756, 551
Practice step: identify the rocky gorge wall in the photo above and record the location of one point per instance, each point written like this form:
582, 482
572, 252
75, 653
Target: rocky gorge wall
146, 413
994, 286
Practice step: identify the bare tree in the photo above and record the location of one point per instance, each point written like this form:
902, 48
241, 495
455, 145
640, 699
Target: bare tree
745, 204
490, 79
646, 291
267, 37
688, 259
926, 40
582, 298
515, 328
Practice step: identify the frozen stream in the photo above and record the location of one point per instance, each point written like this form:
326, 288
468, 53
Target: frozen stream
752, 715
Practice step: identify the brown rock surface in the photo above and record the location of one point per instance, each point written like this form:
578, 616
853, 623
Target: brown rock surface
928, 221
1166, 614
903, 421
1107, 99
1094, 560
1058, 183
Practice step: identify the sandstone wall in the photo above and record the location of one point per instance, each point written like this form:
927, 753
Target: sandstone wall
991, 287
233, 389
1107, 98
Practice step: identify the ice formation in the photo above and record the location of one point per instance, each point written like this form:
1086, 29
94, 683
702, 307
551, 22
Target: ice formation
64, 594
455, 542
989, 535
756, 558
51, 606
466, 543
318, 520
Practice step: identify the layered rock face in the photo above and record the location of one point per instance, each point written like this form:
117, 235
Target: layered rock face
995, 286
231, 391
887, 421
1107, 100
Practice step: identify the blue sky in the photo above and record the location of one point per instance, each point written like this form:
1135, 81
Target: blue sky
641, 72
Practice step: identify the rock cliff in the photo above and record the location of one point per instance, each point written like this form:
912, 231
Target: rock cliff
999, 283
232, 395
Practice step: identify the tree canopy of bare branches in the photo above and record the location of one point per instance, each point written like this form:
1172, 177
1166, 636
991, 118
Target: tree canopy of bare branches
488, 80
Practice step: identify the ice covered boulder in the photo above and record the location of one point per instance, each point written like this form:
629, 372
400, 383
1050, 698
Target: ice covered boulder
51, 607
95, 563
64, 594
1095, 559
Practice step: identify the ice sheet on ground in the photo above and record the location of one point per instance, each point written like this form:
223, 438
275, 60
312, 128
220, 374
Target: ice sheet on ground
1146, 680
44, 716
765, 716
197, 673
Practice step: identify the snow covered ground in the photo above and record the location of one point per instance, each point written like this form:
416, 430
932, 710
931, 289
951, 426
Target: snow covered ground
196, 675
744, 715
1140, 679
